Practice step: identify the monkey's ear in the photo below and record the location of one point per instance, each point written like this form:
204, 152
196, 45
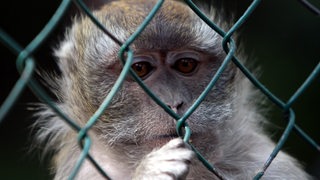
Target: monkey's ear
65, 55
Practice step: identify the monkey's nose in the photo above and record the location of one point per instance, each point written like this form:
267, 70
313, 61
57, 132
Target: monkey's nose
175, 108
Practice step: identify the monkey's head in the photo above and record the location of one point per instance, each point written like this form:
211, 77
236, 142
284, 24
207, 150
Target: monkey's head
176, 56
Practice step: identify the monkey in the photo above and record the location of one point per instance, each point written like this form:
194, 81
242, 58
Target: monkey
175, 56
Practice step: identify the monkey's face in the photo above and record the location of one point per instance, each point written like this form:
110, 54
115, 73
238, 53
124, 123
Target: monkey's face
176, 56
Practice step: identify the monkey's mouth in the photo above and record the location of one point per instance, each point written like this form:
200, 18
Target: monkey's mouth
160, 140
166, 136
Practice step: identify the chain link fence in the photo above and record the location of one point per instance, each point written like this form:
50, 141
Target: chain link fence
26, 64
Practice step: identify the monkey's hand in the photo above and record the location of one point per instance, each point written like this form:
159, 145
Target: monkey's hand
172, 161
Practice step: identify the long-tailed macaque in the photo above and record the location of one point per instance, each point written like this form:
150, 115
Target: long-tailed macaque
176, 56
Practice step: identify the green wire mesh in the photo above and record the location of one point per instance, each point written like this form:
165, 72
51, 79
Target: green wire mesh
26, 67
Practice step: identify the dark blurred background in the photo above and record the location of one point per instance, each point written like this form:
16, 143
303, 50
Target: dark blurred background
281, 37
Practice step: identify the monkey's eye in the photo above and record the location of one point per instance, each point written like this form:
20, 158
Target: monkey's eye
186, 65
142, 69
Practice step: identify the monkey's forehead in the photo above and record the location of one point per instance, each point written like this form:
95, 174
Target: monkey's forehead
174, 25
129, 13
